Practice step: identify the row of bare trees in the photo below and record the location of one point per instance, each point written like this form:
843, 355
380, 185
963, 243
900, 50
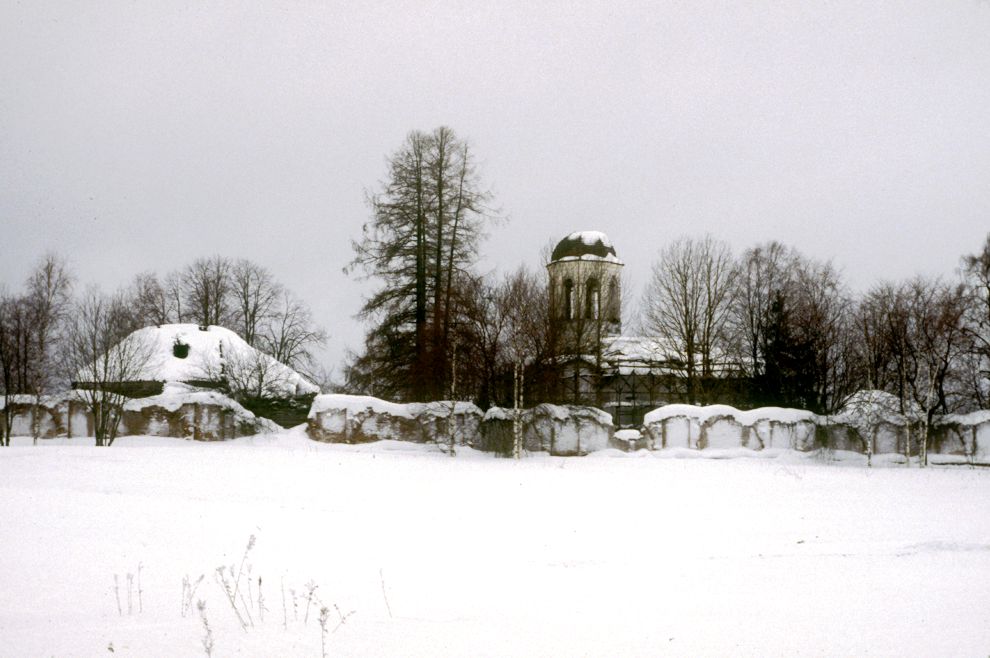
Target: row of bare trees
238, 294
51, 336
785, 329
32, 331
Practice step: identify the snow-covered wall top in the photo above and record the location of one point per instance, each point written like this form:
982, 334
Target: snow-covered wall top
354, 404
209, 351
176, 395
748, 417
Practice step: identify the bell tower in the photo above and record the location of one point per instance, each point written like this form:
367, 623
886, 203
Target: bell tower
585, 294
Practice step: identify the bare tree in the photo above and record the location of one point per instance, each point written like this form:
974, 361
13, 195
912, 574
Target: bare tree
291, 335
764, 272
823, 323
15, 343
872, 320
153, 303
47, 300
206, 285
254, 294
103, 351
248, 374
173, 289
935, 346
687, 303
976, 275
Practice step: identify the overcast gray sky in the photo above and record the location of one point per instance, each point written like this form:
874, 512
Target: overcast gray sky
139, 135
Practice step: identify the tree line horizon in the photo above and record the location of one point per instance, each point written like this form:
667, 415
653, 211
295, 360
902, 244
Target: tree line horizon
784, 329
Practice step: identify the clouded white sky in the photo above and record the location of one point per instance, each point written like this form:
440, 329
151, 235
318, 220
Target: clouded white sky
140, 135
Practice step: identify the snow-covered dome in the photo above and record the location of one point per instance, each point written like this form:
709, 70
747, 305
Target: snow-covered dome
585, 245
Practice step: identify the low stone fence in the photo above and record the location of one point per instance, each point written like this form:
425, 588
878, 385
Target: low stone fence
724, 427
361, 419
559, 430
180, 412
721, 426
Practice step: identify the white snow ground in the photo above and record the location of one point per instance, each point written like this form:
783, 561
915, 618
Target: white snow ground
478, 556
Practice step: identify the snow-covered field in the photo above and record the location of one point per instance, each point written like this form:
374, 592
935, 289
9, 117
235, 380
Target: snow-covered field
607, 555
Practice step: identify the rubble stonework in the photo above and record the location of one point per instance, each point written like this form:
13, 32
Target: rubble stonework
557, 429
855, 430
180, 412
362, 419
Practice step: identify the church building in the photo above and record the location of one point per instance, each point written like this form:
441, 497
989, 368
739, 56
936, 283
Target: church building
627, 376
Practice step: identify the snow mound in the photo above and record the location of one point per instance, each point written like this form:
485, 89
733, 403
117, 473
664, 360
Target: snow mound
210, 352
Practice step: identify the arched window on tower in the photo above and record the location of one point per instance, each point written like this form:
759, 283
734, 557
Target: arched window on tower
592, 299
568, 299
614, 312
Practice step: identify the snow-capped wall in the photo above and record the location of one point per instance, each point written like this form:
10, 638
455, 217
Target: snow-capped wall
721, 426
871, 423
179, 411
360, 419
186, 412
557, 429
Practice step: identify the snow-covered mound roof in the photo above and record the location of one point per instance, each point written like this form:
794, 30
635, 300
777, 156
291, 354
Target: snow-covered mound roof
214, 352
585, 245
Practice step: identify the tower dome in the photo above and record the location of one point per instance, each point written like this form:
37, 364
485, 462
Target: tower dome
584, 287
585, 245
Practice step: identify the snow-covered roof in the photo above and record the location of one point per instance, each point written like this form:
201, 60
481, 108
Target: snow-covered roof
585, 245
212, 350
640, 355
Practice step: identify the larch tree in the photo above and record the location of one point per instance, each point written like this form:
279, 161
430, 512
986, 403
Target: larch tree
426, 226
